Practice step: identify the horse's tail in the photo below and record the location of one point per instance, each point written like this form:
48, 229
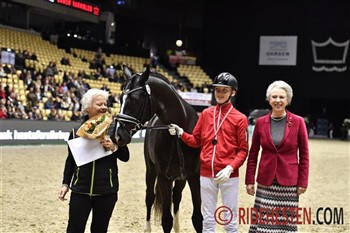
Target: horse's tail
157, 206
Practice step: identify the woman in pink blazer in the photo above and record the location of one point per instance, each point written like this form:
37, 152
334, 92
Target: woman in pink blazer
283, 169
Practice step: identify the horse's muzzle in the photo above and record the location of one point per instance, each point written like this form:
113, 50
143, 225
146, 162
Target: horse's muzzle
123, 137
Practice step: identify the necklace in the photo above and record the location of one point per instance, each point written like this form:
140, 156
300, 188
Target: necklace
218, 125
278, 118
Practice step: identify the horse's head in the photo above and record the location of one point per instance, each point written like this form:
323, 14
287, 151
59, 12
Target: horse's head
136, 108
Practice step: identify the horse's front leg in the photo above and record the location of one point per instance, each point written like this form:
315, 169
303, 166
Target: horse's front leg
197, 217
150, 181
164, 187
177, 195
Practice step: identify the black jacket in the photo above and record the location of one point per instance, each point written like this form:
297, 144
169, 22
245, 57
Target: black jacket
97, 177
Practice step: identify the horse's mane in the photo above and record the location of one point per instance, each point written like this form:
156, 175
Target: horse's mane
163, 78
159, 75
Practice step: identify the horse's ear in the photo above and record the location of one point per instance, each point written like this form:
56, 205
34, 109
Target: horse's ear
127, 72
145, 75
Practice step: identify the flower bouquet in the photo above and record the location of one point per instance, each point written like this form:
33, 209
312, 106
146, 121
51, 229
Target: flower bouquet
96, 127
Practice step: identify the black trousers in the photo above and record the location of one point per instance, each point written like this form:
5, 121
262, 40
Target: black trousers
80, 206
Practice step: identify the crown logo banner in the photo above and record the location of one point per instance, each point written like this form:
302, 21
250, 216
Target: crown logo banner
329, 56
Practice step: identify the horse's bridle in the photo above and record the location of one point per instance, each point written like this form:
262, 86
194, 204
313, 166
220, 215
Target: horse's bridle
123, 118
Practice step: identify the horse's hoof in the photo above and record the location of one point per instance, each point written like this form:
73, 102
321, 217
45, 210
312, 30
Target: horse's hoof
147, 228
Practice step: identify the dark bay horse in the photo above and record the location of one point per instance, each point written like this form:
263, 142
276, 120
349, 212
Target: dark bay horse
149, 97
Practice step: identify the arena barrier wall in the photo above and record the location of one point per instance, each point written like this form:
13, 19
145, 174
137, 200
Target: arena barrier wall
19, 132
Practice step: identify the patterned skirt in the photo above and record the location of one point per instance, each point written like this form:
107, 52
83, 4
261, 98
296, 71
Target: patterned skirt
275, 209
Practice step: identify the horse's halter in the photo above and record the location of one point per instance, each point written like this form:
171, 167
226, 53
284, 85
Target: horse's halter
123, 118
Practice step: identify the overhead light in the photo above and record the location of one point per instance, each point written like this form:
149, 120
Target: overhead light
179, 43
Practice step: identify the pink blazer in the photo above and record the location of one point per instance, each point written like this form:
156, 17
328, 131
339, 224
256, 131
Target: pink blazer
288, 163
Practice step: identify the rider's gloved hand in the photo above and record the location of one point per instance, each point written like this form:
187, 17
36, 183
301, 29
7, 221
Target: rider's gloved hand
223, 175
175, 130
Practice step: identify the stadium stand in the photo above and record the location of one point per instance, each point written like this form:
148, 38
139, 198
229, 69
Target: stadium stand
47, 82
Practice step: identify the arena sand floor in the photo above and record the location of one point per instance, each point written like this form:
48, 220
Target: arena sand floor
31, 177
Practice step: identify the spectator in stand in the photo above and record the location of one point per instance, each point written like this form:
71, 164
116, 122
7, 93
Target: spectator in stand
65, 61
110, 72
99, 53
193, 89
2, 71
97, 74
80, 87
71, 81
38, 93
65, 105
34, 57
113, 99
105, 87
48, 88
75, 103
51, 69
20, 113
83, 59
21, 110
61, 89
119, 66
102, 70
83, 74
56, 115
52, 115
2, 92
11, 112
92, 64
23, 74
8, 88
29, 82
26, 54
12, 99
3, 111
19, 59
49, 104
32, 99
6, 69
86, 85
34, 114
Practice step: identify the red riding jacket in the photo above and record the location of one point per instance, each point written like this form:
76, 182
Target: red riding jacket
232, 139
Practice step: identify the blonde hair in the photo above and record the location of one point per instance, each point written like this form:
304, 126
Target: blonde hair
86, 101
283, 85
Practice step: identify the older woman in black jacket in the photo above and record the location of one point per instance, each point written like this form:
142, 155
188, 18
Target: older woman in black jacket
94, 185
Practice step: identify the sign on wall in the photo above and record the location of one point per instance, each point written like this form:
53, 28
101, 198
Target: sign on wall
7, 57
330, 56
278, 50
196, 99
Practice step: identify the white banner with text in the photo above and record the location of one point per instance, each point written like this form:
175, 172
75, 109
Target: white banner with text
278, 50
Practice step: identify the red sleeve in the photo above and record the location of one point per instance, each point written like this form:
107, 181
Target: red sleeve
303, 173
194, 139
253, 156
242, 144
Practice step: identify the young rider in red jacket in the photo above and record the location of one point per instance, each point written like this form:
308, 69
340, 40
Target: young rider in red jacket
222, 134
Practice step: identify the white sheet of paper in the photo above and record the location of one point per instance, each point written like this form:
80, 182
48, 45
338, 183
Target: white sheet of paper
86, 150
